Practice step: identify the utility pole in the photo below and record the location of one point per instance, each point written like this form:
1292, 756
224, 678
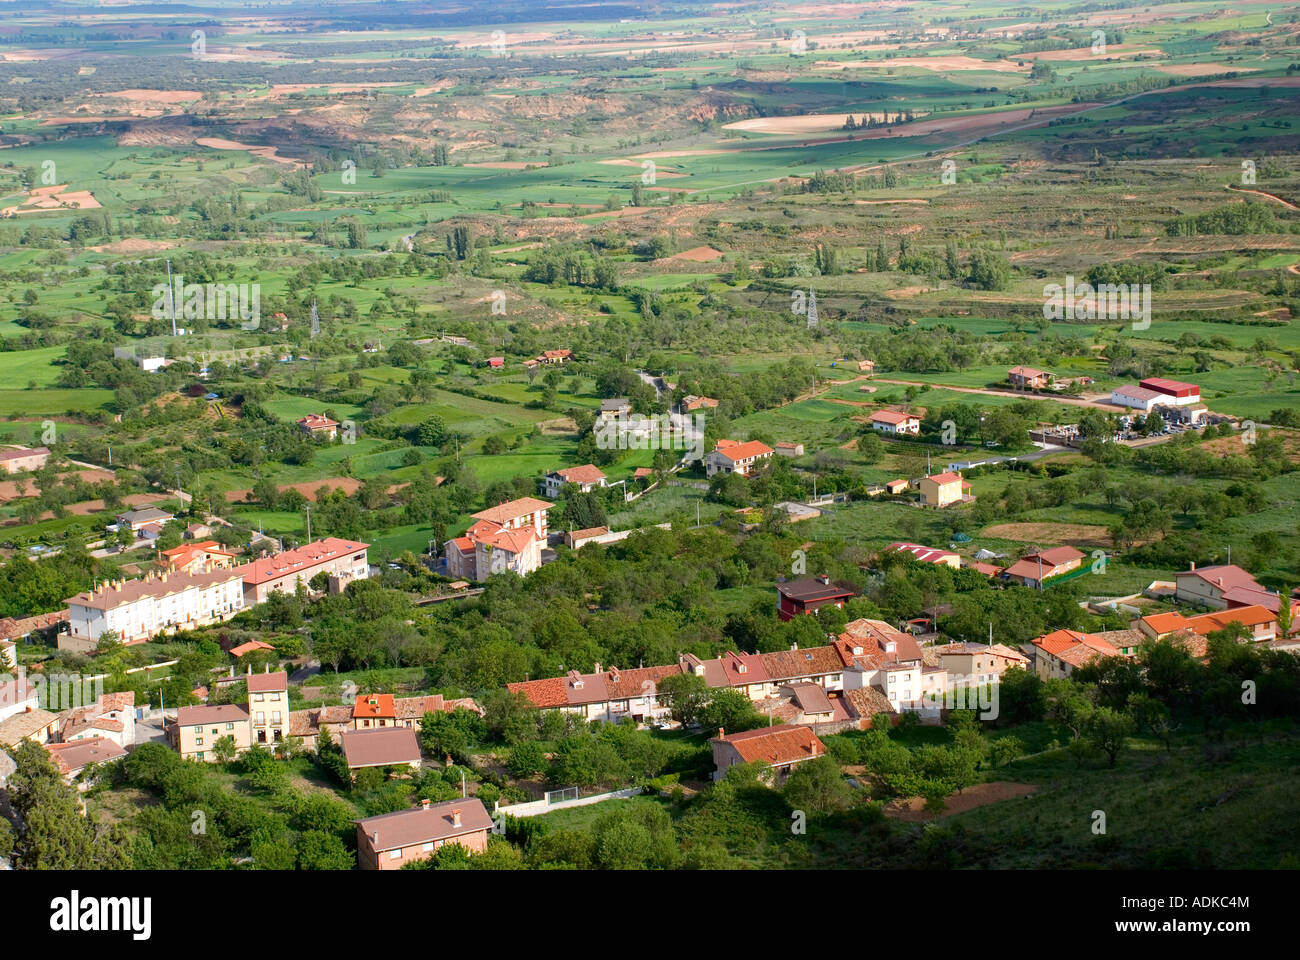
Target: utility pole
309, 523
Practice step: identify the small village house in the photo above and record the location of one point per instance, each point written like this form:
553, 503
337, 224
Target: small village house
392, 840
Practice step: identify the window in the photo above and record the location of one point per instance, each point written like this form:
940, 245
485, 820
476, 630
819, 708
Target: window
275, 697
200, 754
198, 729
395, 854
428, 846
230, 726
261, 718
198, 742
275, 716
257, 698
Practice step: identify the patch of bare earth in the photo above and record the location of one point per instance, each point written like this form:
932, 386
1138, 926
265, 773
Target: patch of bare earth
980, 795
1085, 534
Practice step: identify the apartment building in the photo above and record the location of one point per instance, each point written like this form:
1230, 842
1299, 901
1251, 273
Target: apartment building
137, 610
344, 559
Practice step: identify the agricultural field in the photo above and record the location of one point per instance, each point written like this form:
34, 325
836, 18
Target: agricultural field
374, 271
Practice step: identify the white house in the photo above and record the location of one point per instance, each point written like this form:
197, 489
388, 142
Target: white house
587, 477
893, 422
732, 457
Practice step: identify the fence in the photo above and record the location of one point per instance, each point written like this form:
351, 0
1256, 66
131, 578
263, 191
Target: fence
534, 807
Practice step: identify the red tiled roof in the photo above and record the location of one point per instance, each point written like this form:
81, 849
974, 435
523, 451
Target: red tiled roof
504, 512
892, 416
317, 421
374, 705
406, 828
945, 478
775, 745
1058, 555
548, 692
75, 756
734, 451
220, 713
299, 559
249, 647
268, 682
379, 747
587, 473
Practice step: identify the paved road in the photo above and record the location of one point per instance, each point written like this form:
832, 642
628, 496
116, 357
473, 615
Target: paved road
305, 673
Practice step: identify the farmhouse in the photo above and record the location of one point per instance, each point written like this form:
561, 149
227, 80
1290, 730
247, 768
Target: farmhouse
344, 559
147, 522
893, 422
780, 748
24, 460
866, 366
1032, 570
319, 425
616, 409
586, 477
391, 840
895, 487
788, 448
1027, 378
801, 597
1211, 586
555, 356
691, 403
944, 489
731, 456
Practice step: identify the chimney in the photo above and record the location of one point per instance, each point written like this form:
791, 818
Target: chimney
722, 732
596, 667
824, 580
1193, 566
795, 645
266, 668
424, 804
455, 817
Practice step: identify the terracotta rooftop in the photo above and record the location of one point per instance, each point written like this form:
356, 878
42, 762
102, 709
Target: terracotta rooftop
775, 745
380, 747
425, 824
299, 559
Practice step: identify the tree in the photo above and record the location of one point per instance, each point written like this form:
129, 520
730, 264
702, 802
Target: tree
318, 850
224, 748
1068, 705
54, 835
1108, 730
817, 787
730, 710
526, 760
685, 695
